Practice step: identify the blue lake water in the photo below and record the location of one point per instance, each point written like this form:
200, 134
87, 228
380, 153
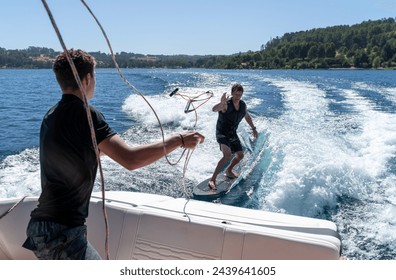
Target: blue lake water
327, 145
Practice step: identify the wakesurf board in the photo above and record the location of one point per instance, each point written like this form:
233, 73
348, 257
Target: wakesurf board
203, 191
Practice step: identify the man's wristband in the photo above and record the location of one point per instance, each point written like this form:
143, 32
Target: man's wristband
182, 141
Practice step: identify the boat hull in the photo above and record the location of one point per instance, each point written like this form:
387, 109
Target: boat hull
147, 226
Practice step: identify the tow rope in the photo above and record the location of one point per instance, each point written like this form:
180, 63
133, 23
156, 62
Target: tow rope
12, 207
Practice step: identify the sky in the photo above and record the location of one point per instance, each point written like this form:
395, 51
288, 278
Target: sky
171, 27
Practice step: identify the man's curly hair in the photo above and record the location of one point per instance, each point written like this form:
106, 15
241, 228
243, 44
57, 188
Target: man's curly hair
84, 62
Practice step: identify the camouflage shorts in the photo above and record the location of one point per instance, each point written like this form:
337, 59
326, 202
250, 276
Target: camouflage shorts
53, 241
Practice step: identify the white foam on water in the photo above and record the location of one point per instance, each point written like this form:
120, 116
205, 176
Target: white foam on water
20, 174
375, 148
316, 162
388, 92
302, 146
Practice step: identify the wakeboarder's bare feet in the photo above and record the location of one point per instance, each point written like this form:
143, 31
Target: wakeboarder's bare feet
212, 185
231, 174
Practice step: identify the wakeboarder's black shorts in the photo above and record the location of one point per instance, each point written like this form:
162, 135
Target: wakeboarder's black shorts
234, 143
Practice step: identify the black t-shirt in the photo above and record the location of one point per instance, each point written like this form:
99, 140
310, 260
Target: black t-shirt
68, 161
227, 122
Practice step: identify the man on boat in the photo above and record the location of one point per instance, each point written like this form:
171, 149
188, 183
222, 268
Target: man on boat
69, 164
231, 112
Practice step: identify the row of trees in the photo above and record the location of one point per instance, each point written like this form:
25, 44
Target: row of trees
370, 44
32, 57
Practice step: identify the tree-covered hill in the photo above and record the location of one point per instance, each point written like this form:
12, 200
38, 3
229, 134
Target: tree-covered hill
370, 44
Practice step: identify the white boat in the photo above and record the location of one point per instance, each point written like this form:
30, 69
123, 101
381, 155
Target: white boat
148, 226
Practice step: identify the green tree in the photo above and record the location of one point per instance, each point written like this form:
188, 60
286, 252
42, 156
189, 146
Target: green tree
377, 62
